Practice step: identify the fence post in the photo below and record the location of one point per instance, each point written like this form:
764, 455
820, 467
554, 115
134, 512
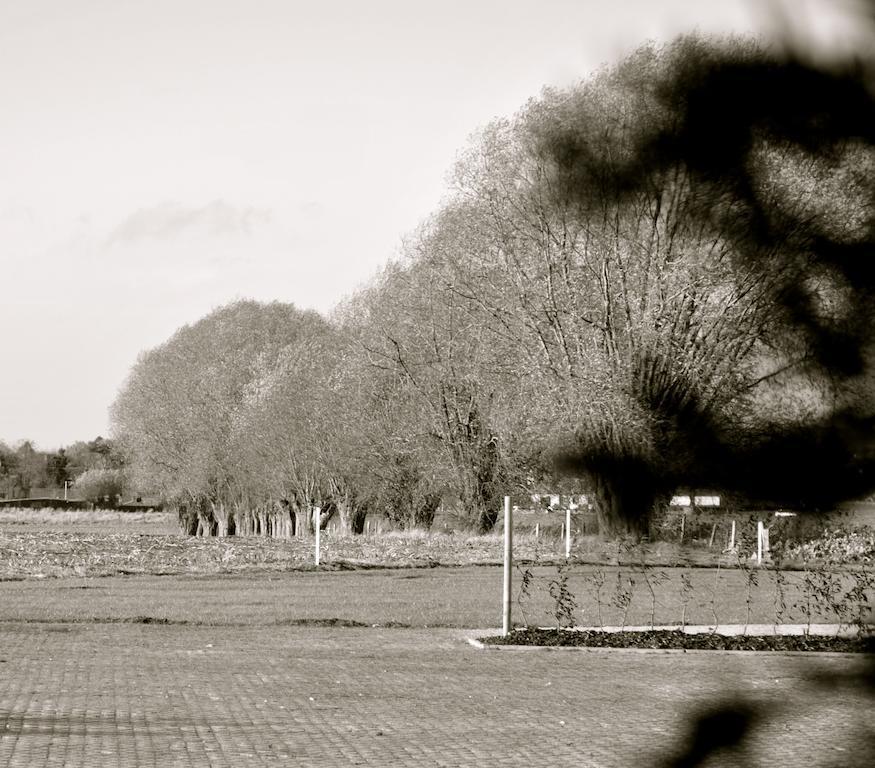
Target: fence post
317, 514
567, 533
732, 536
508, 562
759, 542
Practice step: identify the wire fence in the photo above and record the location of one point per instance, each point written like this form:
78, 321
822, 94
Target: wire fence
749, 571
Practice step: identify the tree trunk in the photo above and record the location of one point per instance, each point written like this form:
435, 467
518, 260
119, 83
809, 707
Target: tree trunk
206, 522
245, 520
220, 515
423, 515
345, 512
299, 516
188, 522
481, 498
284, 525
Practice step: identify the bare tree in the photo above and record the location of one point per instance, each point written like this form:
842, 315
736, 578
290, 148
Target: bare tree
638, 333
177, 412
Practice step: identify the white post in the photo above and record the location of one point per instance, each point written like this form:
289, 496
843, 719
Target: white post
732, 536
537, 530
508, 563
759, 542
317, 513
567, 533
65, 489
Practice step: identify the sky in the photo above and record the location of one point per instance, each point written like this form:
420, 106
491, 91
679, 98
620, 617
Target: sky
160, 159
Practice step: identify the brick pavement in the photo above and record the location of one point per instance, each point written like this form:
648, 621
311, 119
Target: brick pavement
96, 695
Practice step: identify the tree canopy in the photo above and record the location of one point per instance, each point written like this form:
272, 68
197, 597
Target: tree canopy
659, 276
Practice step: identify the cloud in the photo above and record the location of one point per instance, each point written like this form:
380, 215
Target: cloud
170, 220
312, 209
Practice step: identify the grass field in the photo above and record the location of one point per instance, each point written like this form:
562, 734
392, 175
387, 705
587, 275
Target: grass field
448, 597
107, 567
95, 520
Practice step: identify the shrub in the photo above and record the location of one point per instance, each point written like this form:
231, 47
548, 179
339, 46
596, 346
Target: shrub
834, 546
97, 485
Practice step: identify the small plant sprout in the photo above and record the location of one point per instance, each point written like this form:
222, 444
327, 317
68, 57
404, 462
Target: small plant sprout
714, 598
686, 595
652, 580
524, 592
598, 580
623, 596
859, 600
780, 598
750, 584
804, 602
828, 591
564, 602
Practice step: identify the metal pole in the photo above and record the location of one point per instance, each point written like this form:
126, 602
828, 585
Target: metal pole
508, 563
317, 513
759, 542
567, 533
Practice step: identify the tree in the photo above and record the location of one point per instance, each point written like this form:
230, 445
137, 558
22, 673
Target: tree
177, 415
419, 336
8, 470
56, 467
646, 280
295, 410
778, 156
99, 453
30, 467
611, 293
389, 452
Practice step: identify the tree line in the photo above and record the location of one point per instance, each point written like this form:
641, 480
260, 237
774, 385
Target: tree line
94, 469
628, 288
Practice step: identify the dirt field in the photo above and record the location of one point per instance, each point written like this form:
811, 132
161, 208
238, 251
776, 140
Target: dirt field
51, 543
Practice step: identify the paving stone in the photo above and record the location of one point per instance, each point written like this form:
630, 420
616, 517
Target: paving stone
96, 695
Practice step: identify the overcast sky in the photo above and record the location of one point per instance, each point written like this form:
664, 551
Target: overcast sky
159, 159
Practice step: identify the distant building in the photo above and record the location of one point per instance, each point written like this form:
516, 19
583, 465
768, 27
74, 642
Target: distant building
705, 500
